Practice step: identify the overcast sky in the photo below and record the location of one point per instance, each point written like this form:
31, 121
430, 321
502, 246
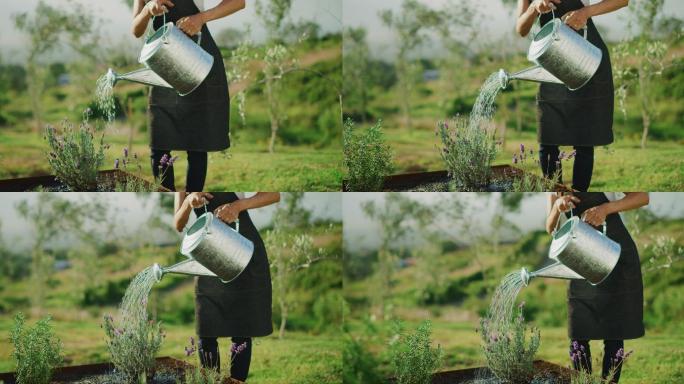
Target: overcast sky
497, 22
362, 233
117, 16
127, 210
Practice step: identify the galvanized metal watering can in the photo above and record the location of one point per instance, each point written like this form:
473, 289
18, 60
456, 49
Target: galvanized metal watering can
173, 60
213, 249
580, 252
562, 57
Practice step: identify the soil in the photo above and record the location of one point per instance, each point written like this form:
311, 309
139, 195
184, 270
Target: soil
439, 181
168, 371
106, 182
545, 373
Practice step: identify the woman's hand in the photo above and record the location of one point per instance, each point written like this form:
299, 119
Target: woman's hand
577, 19
198, 199
565, 203
228, 213
544, 6
595, 216
191, 25
158, 7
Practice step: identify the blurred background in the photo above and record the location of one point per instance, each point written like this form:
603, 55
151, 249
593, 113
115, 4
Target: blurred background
439, 256
435, 73
72, 256
52, 53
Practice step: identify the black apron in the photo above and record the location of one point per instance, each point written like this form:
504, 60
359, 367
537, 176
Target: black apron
241, 308
200, 120
612, 310
583, 117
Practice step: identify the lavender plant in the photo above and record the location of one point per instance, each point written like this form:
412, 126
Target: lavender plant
508, 354
136, 183
76, 156
36, 350
468, 150
413, 358
197, 375
134, 347
367, 158
533, 183
579, 357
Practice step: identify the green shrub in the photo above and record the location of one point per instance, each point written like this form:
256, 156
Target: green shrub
367, 158
359, 366
506, 350
413, 358
468, 151
36, 350
74, 157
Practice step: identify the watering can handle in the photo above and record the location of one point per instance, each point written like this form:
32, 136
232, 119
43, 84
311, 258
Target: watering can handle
237, 222
553, 16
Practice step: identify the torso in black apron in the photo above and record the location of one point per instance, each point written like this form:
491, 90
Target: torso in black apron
198, 121
583, 117
243, 306
612, 310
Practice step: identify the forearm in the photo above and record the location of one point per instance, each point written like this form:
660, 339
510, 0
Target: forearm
526, 17
183, 210
605, 6
261, 199
553, 216
632, 200
225, 8
141, 17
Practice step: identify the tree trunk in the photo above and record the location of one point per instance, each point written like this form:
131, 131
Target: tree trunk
283, 318
645, 106
273, 114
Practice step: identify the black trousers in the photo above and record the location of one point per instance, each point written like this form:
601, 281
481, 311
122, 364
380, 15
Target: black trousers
197, 170
611, 360
239, 366
581, 171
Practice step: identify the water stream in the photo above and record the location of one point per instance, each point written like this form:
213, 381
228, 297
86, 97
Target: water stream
133, 307
500, 312
484, 109
104, 96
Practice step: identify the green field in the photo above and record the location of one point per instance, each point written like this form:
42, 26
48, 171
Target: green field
471, 278
79, 297
623, 165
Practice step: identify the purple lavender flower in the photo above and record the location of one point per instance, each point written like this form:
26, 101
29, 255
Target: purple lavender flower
172, 160
164, 160
575, 346
125, 152
238, 348
522, 148
116, 164
515, 159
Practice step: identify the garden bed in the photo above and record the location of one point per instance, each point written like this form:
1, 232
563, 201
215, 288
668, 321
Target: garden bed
107, 181
503, 177
167, 371
555, 373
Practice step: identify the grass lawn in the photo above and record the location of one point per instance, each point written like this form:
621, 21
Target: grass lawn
658, 357
247, 167
299, 357
620, 167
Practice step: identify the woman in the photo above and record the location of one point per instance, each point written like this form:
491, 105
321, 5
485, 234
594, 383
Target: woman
582, 118
196, 123
611, 311
240, 309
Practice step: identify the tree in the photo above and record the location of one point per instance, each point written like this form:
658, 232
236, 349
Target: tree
291, 251
47, 29
356, 72
640, 61
397, 216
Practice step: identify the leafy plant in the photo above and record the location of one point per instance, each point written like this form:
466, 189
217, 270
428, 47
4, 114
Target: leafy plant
36, 350
198, 375
367, 158
74, 156
579, 357
135, 181
506, 350
133, 349
468, 151
413, 358
359, 365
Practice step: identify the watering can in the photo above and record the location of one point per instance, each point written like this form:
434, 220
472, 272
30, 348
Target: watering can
580, 252
561, 56
213, 249
172, 60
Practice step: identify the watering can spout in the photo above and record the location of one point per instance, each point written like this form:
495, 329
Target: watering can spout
536, 74
142, 76
556, 270
187, 267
